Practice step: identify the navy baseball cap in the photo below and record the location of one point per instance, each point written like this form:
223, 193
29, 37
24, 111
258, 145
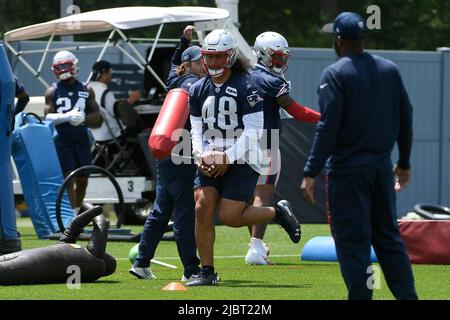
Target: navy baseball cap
347, 25
193, 53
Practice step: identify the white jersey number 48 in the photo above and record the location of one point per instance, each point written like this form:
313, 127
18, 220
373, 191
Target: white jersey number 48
227, 118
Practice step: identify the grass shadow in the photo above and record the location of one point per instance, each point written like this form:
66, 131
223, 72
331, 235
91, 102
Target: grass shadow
107, 281
260, 284
307, 263
286, 264
321, 264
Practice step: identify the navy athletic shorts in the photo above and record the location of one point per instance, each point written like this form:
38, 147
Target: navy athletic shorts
237, 184
73, 155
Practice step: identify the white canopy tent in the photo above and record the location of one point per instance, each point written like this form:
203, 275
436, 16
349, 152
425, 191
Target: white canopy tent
116, 20
124, 18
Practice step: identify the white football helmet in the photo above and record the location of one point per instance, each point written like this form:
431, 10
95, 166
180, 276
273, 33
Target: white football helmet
65, 65
219, 52
272, 51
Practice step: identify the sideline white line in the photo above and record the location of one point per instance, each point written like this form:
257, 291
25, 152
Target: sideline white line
163, 264
227, 257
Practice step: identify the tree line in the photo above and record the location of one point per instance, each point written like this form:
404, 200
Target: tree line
405, 24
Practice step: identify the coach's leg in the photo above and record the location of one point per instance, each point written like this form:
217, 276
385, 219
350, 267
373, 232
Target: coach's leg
349, 204
184, 218
206, 201
157, 221
386, 239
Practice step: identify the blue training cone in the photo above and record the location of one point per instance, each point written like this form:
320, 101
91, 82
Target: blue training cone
324, 249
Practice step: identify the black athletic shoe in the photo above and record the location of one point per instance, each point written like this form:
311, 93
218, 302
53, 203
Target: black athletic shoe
204, 278
288, 221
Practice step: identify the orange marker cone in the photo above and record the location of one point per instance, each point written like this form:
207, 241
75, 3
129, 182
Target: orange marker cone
174, 286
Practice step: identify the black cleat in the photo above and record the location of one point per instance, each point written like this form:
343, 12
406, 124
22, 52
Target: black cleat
288, 221
204, 278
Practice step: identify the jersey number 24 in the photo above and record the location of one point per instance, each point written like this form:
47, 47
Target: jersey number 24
64, 104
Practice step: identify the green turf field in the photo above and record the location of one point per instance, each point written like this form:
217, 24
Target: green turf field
288, 279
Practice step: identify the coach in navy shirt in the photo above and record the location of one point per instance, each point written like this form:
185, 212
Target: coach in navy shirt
365, 111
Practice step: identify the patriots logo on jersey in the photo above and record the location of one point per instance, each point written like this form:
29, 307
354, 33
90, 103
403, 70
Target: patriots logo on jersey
254, 99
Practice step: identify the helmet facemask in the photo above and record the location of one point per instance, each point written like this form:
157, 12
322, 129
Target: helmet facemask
64, 70
216, 62
279, 60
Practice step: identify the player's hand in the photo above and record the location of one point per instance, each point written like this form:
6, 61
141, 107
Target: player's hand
187, 33
402, 178
307, 189
205, 170
201, 166
208, 158
216, 163
76, 117
134, 96
218, 170
220, 165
